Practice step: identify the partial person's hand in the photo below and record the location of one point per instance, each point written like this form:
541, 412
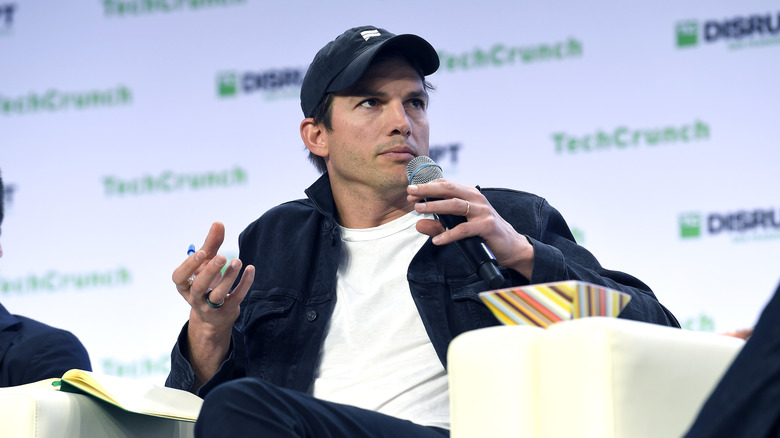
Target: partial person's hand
205, 269
740, 333
511, 249
214, 308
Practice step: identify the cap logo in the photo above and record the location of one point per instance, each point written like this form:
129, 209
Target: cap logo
366, 34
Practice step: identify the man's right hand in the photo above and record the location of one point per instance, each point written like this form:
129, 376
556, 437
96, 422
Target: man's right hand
210, 328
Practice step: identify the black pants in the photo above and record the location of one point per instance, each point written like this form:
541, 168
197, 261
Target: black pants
746, 402
251, 407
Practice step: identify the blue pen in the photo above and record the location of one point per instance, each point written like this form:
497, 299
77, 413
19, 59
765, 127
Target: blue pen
191, 251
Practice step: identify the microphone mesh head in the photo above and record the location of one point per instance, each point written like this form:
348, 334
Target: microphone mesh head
423, 170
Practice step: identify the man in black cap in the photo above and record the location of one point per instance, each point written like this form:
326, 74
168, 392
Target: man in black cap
344, 330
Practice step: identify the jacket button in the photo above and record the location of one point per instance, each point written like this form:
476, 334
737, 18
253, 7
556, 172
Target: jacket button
311, 315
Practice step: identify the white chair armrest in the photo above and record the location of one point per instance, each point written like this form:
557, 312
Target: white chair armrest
621, 378
492, 382
590, 377
38, 410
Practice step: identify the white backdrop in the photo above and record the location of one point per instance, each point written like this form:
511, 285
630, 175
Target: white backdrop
127, 127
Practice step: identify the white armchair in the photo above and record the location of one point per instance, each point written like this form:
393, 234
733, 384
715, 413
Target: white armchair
585, 378
38, 410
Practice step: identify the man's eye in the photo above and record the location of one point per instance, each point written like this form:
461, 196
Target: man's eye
417, 103
369, 103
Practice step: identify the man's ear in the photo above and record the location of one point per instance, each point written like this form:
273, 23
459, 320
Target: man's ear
314, 137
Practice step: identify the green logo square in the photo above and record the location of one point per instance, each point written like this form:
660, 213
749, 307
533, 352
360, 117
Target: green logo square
687, 33
690, 225
227, 84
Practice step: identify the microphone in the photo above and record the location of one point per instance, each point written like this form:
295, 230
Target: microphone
422, 170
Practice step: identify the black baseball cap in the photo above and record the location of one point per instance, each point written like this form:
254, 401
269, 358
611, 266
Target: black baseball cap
344, 60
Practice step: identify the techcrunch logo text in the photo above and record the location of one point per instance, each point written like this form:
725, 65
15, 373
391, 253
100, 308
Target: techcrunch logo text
740, 32
501, 55
742, 225
700, 323
116, 8
141, 367
169, 181
274, 83
56, 100
624, 137
54, 281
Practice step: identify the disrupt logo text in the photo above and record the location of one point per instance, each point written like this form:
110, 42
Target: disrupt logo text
232, 83
742, 221
8, 193
755, 26
7, 11
741, 27
446, 153
766, 219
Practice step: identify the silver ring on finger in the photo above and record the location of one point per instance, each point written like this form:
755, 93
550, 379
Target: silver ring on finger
214, 305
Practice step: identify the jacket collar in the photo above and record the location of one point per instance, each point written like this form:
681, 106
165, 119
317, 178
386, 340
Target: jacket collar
321, 195
8, 332
6, 319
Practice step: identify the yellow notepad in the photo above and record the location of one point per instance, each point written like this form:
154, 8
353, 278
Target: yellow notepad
547, 303
133, 396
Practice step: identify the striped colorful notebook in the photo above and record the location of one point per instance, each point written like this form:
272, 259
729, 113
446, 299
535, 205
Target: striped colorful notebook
547, 303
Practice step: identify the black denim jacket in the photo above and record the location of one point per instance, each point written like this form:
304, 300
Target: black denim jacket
295, 248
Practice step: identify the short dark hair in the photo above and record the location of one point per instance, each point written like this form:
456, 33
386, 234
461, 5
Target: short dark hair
322, 113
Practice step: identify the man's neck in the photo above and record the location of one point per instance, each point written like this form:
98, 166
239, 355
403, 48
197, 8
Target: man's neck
366, 208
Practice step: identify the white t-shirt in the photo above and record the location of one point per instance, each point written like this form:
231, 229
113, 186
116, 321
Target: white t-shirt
377, 354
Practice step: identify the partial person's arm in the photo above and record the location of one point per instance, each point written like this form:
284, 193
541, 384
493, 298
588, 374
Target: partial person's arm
541, 251
558, 257
48, 354
208, 332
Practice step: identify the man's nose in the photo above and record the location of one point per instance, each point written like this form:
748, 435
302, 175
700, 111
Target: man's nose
399, 120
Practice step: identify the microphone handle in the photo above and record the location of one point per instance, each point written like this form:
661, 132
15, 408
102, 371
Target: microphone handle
476, 252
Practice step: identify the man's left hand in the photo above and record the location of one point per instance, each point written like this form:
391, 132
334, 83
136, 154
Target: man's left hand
511, 249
